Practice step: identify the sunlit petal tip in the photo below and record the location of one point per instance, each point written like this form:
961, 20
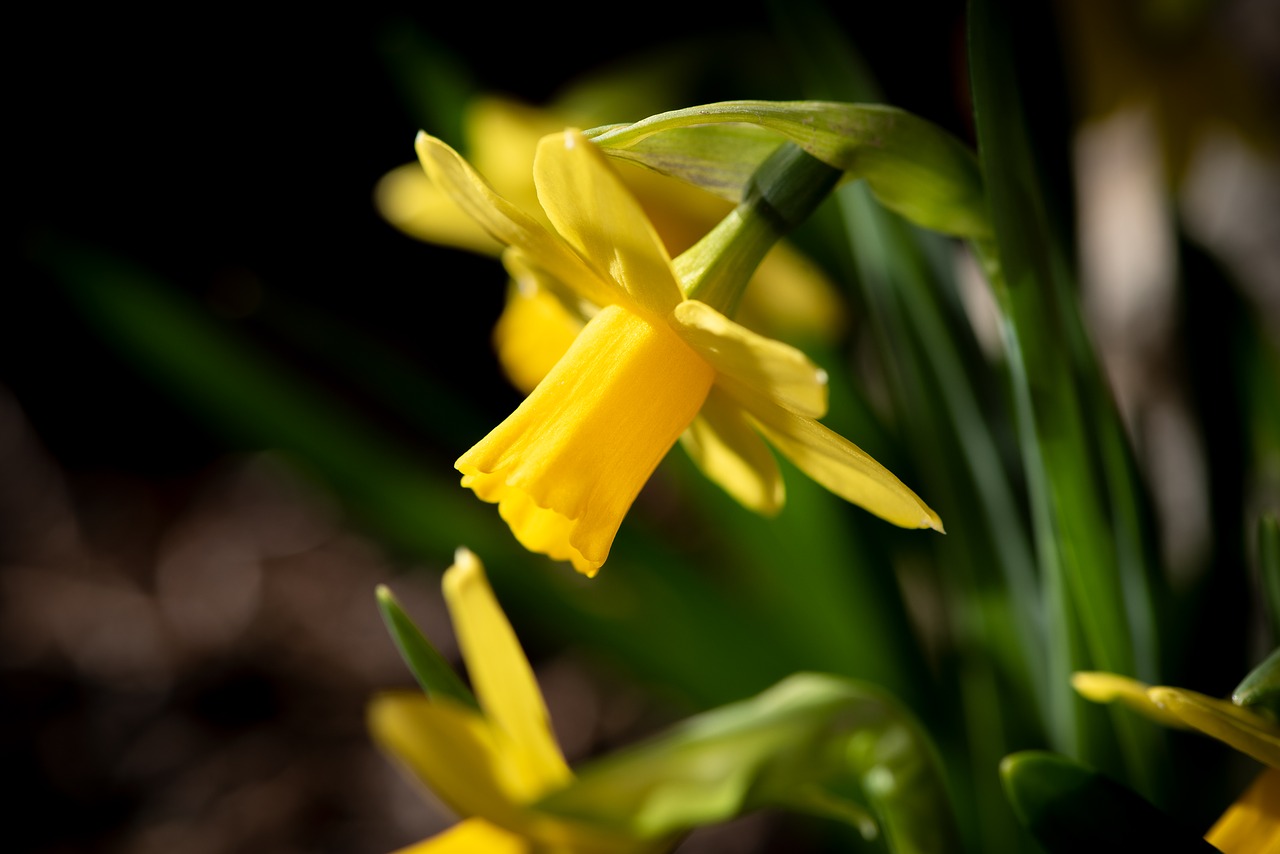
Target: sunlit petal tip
465, 562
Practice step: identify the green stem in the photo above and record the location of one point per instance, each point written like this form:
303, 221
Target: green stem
783, 193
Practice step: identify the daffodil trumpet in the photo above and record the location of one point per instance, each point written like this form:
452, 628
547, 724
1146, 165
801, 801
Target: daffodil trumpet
652, 363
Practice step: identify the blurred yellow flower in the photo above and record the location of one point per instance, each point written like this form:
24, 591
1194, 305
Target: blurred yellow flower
790, 296
1252, 823
565, 467
489, 765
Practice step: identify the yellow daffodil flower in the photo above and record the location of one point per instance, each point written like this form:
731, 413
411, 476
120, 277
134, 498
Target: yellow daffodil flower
489, 764
1252, 823
790, 295
566, 466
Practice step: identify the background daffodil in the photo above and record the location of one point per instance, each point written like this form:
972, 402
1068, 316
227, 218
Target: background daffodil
790, 296
567, 464
488, 757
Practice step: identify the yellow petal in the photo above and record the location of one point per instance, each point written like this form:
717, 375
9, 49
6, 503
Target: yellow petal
501, 677
1108, 687
451, 749
534, 331
591, 208
1244, 730
471, 837
742, 358
409, 200
1252, 824
729, 451
566, 466
836, 463
508, 224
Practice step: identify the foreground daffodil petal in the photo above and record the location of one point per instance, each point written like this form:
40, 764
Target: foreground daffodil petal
508, 224
503, 681
1252, 823
836, 463
1244, 730
452, 750
724, 445
469, 837
565, 467
1111, 687
776, 370
592, 209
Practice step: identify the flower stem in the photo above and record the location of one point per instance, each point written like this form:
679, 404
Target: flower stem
786, 188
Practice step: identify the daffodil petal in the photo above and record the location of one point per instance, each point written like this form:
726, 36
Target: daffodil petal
770, 368
592, 209
1252, 823
724, 445
1242, 729
501, 677
469, 837
1110, 687
508, 224
836, 463
451, 749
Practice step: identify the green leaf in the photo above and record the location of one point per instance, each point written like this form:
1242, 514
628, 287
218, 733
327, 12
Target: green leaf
1260, 690
1269, 571
911, 165
793, 746
1091, 552
1069, 807
428, 666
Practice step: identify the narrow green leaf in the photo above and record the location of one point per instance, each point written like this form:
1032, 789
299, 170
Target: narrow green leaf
427, 665
1260, 690
1089, 549
1070, 808
1269, 571
911, 165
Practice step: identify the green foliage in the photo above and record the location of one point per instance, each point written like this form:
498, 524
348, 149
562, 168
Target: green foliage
792, 746
1069, 807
